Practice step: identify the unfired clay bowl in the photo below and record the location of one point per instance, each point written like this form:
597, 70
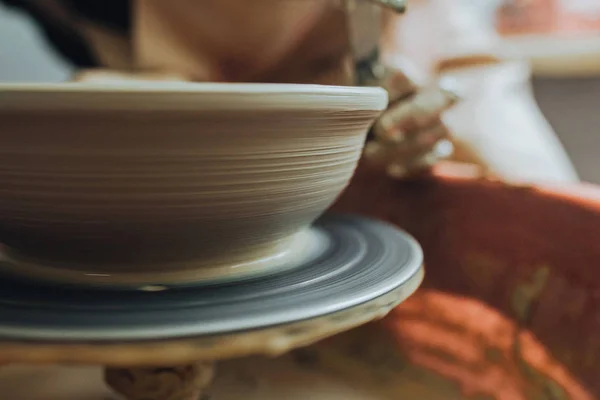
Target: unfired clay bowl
158, 183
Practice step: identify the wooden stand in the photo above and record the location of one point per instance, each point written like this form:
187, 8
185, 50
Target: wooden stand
187, 382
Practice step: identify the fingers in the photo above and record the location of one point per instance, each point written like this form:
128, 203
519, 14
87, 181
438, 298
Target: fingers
403, 80
409, 157
416, 113
410, 136
416, 142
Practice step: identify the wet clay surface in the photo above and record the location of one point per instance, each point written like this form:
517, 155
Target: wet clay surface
140, 207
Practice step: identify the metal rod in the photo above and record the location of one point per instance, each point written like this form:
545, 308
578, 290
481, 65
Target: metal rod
398, 6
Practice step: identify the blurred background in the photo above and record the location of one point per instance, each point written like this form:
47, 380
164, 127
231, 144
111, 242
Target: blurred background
560, 38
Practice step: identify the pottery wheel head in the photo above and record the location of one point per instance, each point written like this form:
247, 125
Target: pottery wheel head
363, 269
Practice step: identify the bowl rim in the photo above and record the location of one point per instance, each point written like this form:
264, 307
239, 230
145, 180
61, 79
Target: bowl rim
188, 96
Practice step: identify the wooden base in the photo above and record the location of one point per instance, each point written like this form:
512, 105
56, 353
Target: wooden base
401, 357
186, 382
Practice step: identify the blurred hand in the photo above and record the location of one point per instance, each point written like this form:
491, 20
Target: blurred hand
410, 136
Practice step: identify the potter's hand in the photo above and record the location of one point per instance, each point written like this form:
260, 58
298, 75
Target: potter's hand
410, 136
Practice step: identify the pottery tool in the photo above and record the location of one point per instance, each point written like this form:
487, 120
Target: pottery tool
395, 5
364, 32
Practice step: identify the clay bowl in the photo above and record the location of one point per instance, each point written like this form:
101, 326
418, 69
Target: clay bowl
160, 183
